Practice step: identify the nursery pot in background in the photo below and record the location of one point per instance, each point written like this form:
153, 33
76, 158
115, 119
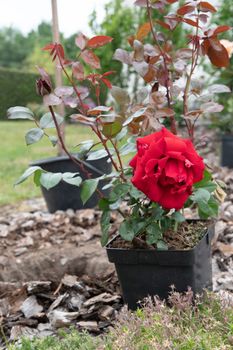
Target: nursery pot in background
143, 272
227, 150
65, 196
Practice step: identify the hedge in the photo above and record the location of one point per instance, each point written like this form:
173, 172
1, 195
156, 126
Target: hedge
16, 89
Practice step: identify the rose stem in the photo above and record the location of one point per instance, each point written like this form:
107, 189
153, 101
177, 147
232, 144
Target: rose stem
172, 118
75, 160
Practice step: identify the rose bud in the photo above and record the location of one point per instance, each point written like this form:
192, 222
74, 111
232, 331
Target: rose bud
43, 87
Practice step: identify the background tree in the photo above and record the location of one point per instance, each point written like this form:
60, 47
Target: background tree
14, 48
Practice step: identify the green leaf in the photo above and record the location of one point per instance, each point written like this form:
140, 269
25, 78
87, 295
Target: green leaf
33, 135
161, 245
105, 226
126, 231
19, 112
136, 115
53, 140
72, 179
27, 173
127, 148
153, 233
100, 153
135, 193
36, 178
178, 217
85, 146
206, 183
119, 191
88, 188
112, 129
201, 195
115, 205
103, 204
208, 209
49, 180
157, 212
46, 121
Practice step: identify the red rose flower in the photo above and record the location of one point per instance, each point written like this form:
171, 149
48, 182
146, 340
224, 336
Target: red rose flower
165, 168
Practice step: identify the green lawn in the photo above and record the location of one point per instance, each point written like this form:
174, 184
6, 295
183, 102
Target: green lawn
15, 157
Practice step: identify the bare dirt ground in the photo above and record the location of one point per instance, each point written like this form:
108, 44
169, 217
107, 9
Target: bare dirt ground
43, 247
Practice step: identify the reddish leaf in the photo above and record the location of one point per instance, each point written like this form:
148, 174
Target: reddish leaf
191, 22
98, 110
205, 6
218, 58
154, 59
48, 47
107, 82
138, 51
185, 9
78, 70
52, 100
150, 75
56, 50
215, 44
122, 56
83, 119
81, 41
143, 31
106, 74
211, 107
203, 18
205, 46
221, 29
163, 24
98, 41
164, 112
64, 91
216, 52
131, 40
91, 59
171, 1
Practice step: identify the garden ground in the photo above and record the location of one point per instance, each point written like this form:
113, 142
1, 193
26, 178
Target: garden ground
27, 232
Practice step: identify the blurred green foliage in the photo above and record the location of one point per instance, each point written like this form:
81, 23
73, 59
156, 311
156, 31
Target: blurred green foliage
16, 88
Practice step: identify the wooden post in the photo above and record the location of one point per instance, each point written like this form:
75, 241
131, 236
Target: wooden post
58, 72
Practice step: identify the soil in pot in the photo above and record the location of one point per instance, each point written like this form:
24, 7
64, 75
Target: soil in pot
146, 272
188, 234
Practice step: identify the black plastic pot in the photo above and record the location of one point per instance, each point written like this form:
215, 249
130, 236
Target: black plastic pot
227, 150
143, 273
65, 196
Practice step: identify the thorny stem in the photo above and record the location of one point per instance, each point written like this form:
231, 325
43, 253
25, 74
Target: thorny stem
118, 156
195, 52
172, 118
97, 132
103, 141
73, 85
75, 160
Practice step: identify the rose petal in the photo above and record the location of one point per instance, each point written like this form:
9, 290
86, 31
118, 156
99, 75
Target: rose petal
175, 144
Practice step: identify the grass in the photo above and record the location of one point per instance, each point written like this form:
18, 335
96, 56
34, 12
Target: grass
15, 157
205, 325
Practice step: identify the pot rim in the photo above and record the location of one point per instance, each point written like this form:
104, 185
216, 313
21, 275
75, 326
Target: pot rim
208, 235
87, 163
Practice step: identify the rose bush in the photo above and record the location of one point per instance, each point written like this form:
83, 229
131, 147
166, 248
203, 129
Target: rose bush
165, 168
167, 172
